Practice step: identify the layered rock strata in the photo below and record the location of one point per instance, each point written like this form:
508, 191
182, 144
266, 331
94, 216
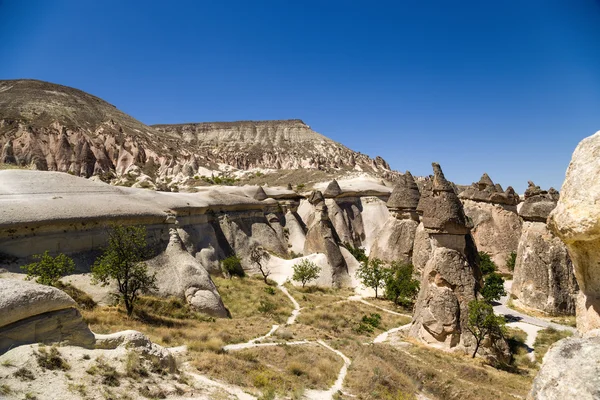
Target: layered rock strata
397, 236
32, 313
543, 276
450, 278
493, 213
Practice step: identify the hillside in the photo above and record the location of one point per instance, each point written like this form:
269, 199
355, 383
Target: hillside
58, 128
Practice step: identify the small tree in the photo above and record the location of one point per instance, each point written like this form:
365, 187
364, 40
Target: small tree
48, 270
373, 274
400, 286
305, 271
493, 288
483, 322
511, 261
357, 252
232, 265
122, 261
486, 264
258, 257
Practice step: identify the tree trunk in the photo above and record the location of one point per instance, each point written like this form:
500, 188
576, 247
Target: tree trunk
375, 291
476, 348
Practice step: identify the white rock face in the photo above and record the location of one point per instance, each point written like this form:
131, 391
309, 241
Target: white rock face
496, 229
32, 313
543, 276
395, 241
576, 221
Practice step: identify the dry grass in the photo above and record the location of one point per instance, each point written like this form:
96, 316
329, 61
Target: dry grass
546, 338
312, 296
384, 372
342, 321
282, 370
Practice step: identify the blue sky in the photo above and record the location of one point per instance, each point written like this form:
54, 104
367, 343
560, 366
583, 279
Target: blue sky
507, 87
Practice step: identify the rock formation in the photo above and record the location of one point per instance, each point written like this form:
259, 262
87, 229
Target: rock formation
32, 313
450, 278
397, 236
543, 276
570, 368
57, 128
493, 212
322, 238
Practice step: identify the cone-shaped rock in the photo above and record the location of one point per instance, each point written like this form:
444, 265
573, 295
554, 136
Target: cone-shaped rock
405, 195
485, 182
333, 189
442, 210
260, 194
316, 197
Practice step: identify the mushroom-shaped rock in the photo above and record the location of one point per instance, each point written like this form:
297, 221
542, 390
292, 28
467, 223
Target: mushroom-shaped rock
405, 195
32, 313
442, 210
538, 204
316, 197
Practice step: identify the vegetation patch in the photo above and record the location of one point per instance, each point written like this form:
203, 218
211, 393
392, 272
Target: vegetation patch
51, 359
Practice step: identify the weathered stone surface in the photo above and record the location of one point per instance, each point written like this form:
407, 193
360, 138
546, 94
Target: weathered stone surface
395, 241
486, 191
405, 195
179, 274
543, 276
441, 210
576, 221
571, 370
421, 249
538, 203
20, 300
448, 283
496, 229
332, 190
32, 313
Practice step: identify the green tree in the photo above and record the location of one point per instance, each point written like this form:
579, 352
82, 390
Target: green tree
357, 252
486, 264
493, 287
400, 286
511, 261
373, 274
232, 265
123, 261
48, 270
259, 256
484, 323
305, 271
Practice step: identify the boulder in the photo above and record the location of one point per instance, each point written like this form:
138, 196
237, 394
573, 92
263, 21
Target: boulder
543, 276
571, 370
576, 221
32, 313
538, 203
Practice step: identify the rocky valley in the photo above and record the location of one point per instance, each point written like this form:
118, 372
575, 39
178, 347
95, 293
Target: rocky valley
485, 280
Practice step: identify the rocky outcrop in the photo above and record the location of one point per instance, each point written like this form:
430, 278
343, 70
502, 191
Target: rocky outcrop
543, 276
576, 221
32, 313
570, 368
493, 213
179, 274
58, 128
570, 371
322, 238
450, 278
397, 236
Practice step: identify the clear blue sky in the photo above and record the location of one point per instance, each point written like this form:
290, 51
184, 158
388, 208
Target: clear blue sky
508, 87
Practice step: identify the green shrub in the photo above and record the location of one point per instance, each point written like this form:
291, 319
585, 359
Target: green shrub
270, 290
400, 286
373, 274
368, 323
266, 306
357, 252
511, 261
48, 270
486, 264
51, 360
493, 288
232, 266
